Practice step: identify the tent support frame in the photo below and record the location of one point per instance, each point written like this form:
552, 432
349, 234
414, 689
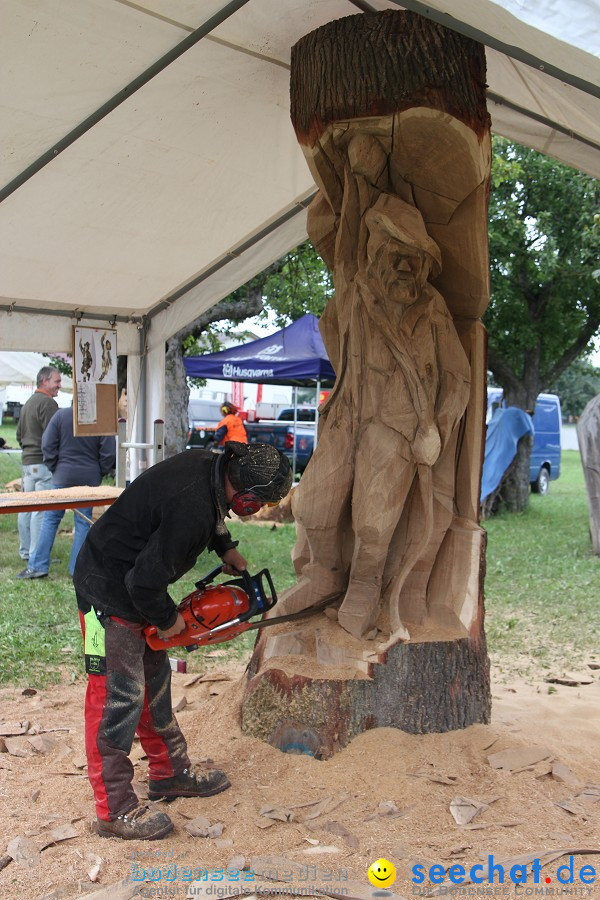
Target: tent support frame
124, 94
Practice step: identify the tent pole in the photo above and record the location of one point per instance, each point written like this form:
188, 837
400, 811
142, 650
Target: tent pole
316, 438
295, 422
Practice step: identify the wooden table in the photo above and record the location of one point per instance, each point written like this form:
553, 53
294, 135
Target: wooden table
58, 498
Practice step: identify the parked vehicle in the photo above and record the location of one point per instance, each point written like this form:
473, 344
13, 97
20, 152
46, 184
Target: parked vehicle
203, 416
278, 432
546, 449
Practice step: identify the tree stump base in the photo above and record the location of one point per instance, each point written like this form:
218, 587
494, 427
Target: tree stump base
419, 687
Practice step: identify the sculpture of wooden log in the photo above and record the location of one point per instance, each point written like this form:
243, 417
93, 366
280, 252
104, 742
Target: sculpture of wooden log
390, 111
588, 436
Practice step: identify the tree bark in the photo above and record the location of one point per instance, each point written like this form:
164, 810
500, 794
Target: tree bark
390, 111
515, 484
177, 392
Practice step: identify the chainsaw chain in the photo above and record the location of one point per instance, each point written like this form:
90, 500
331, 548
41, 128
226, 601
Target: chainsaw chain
301, 614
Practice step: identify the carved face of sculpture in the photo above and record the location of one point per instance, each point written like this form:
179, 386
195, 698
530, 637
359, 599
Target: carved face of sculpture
400, 253
400, 269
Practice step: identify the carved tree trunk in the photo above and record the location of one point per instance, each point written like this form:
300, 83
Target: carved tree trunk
390, 112
588, 435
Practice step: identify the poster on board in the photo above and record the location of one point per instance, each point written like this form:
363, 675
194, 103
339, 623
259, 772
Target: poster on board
95, 380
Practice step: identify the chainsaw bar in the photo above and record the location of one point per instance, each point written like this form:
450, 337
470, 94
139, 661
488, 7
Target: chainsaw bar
301, 614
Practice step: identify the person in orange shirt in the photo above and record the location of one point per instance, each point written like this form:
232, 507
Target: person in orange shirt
231, 427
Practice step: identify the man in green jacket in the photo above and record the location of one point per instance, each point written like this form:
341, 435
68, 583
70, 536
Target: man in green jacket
35, 476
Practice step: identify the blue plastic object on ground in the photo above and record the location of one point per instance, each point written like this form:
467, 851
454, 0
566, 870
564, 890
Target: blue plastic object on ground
504, 432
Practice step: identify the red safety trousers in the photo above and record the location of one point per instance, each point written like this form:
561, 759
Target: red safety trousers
131, 695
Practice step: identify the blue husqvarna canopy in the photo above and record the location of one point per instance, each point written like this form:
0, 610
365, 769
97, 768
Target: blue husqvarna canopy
295, 355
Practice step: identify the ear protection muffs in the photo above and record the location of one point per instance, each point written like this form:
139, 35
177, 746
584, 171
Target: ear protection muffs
245, 503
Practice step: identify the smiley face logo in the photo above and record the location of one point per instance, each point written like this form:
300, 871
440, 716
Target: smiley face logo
382, 873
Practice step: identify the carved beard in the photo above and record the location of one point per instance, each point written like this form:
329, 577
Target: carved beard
398, 272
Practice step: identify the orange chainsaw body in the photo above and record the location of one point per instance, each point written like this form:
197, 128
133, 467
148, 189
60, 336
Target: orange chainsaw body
205, 610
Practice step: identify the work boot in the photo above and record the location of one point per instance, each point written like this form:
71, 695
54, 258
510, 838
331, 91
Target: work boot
139, 824
189, 784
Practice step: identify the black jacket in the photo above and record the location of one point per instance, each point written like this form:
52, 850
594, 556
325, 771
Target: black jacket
149, 538
75, 460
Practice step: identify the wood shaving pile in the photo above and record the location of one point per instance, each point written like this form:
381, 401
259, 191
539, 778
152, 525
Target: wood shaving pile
388, 794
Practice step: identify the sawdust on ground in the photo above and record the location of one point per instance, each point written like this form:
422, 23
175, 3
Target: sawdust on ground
415, 778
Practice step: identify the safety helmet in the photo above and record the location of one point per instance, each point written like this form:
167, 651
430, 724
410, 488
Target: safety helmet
258, 469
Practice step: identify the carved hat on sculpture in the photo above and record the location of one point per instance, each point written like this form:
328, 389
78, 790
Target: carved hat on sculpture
403, 223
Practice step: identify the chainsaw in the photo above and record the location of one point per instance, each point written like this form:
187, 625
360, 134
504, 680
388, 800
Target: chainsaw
217, 613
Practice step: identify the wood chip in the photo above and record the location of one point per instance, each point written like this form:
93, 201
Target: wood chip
431, 775
322, 848
278, 813
518, 758
236, 863
95, 864
389, 808
193, 679
24, 852
561, 773
179, 703
119, 890
41, 743
60, 833
341, 831
464, 809
198, 826
15, 747
8, 729
570, 679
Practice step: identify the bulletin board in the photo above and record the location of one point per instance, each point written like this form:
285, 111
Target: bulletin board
94, 381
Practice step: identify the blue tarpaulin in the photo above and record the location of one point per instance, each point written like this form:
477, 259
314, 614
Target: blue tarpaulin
504, 431
295, 355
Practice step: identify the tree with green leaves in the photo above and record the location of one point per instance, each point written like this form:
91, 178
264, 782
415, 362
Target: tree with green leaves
544, 234
296, 284
577, 385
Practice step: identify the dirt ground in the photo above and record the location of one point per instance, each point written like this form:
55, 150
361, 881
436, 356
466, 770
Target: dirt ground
387, 795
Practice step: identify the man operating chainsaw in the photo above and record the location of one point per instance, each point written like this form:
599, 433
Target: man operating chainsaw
148, 539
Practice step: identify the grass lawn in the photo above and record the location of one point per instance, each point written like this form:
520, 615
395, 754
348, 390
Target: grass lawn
542, 585
542, 588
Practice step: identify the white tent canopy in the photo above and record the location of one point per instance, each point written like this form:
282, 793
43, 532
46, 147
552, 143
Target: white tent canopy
141, 192
22, 368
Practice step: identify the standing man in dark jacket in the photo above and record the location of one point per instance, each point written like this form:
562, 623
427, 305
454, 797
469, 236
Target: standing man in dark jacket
36, 476
72, 461
148, 539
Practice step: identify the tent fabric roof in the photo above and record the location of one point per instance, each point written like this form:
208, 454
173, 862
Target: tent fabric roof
195, 182
22, 368
295, 355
